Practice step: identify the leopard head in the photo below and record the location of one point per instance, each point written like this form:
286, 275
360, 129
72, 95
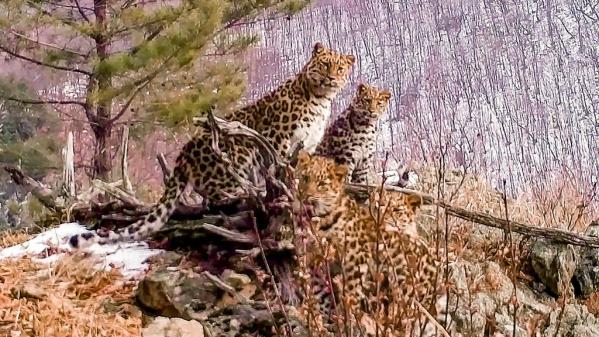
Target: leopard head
402, 210
371, 102
321, 181
328, 71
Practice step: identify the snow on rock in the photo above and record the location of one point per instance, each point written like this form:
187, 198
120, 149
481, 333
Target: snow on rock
130, 257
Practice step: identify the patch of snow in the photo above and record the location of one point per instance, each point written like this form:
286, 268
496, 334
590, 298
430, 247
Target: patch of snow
129, 257
394, 177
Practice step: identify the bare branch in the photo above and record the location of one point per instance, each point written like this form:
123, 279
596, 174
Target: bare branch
128, 103
83, 15
38, 62
39, 102
45, 44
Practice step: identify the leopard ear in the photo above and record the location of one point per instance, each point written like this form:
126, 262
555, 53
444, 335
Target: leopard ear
385, 94
351, 59
413, 201
303, 158
318, 48
340, 172
362, 88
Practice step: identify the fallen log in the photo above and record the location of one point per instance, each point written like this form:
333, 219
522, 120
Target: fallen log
552, 234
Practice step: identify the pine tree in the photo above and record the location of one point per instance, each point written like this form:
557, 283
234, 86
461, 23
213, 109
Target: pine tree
27, 134
136, 59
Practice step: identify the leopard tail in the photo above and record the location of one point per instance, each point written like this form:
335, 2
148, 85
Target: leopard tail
153, 221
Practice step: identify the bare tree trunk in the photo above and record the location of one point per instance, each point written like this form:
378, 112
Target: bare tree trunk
69, 167
124, 161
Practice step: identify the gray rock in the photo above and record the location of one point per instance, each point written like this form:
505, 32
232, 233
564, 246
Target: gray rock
554, 264
252, 320
235, 280
586, 276
576, 321
505, 324
173, 327
174, 293
474, 309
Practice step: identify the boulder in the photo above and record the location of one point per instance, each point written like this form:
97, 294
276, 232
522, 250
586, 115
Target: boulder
173, 327
480, 306
586, 276
254, 319
174, 293
554, 264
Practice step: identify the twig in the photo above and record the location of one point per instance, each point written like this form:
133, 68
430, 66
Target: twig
124, 161
46, 44
513, 260
432, 319
49, 101
44, 64
166, 173
225, 287
272, 278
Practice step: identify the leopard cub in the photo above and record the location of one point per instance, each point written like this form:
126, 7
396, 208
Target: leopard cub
350, 139
384, 266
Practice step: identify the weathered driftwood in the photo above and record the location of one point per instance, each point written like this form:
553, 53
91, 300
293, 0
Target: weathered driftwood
125, 161
68, 172
37, 189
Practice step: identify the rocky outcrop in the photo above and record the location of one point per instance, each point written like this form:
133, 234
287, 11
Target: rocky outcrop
485, 307
554, 265
224, 306
575, 321
586, 276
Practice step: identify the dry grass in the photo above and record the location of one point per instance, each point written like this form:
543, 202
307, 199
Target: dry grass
67, 299
592, 303
11, 238
563, 204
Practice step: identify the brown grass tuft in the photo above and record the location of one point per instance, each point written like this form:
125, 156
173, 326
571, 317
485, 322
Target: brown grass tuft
11, 238
69, 298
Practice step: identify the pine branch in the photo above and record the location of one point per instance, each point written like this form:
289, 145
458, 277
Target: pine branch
45, 44
36, 6
39, 102
38, 62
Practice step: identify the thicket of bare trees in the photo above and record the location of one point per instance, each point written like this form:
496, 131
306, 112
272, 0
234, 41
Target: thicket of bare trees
504, 89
